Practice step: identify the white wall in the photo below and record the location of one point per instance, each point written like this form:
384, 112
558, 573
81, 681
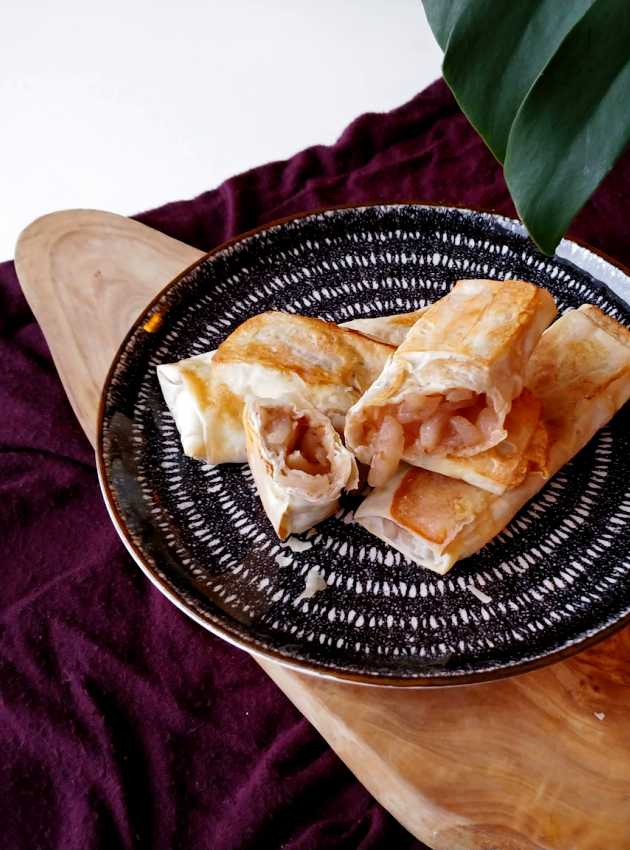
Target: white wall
125, 104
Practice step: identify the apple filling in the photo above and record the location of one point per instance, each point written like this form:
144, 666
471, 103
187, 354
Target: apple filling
450, 424
300, 443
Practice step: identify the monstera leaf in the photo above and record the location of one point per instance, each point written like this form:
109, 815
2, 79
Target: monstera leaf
546, 83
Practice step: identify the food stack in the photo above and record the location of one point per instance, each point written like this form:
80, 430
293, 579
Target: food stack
457, 414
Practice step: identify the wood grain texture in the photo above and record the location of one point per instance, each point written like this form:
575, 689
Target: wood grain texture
539, 761
87, 276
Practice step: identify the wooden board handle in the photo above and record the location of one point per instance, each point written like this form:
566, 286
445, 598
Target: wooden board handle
87, 276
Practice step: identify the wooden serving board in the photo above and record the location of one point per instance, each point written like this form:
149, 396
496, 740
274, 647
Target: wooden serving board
539, 761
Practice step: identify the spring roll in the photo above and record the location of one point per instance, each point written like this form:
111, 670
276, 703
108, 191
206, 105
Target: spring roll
450, 385
299, 464
580, 372
389, 329
268, 356
496, 469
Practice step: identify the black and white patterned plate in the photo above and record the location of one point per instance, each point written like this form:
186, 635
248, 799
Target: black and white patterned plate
556, 579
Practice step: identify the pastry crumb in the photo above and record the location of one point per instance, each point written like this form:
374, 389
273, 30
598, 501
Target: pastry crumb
297, 545
481, 596
315, 582
283, 560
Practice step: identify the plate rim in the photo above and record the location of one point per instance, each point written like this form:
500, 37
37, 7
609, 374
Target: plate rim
300, 665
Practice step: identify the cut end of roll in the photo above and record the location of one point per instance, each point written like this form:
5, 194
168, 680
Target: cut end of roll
298, 461
459, 422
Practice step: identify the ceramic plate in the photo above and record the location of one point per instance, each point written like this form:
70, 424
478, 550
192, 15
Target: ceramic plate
556, 579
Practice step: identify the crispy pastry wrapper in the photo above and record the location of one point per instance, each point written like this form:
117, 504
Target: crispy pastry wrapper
449, 386
389, 329
299, 464
190, 394
267, 356
580, 372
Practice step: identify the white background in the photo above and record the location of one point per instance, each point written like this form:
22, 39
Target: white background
126, 104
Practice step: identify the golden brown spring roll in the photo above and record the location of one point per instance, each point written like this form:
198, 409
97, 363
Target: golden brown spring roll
580, 371
497, 469
450, 385
299, 464
267, 356
389, 329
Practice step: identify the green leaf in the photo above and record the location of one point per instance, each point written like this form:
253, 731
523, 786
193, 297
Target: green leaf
495, 52
573, 124
442, 16
547, 85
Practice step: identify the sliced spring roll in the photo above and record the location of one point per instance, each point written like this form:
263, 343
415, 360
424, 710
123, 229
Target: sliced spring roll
267, 356
389, 329
450, 385
505, 465
580, 371
299, 464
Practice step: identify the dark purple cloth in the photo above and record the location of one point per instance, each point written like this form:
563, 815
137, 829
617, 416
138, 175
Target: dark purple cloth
123, 723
